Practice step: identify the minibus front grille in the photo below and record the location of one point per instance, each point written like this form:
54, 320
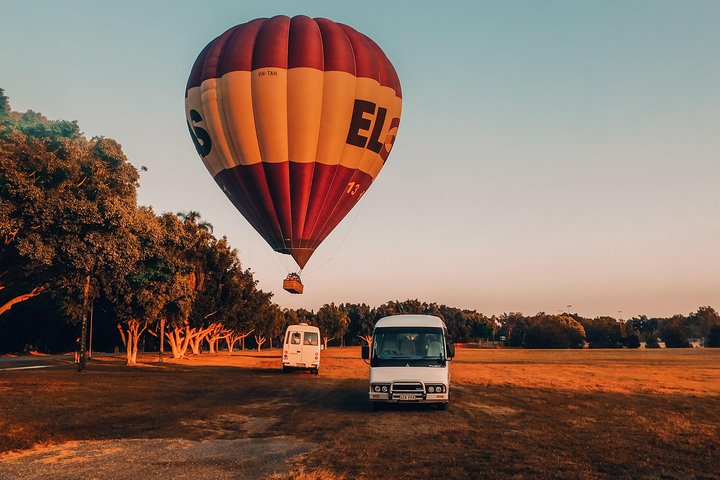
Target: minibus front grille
408, 391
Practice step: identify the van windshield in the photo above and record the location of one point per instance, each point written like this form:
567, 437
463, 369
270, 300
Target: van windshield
401, 346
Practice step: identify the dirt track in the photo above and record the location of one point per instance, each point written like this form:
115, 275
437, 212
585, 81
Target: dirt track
514, 414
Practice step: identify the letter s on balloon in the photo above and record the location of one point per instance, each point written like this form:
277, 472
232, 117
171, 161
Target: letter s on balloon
200, 136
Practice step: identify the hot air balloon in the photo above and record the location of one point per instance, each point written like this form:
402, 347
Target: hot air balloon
294, 119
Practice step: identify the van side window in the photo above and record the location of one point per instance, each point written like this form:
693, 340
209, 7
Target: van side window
295, 338
311, 338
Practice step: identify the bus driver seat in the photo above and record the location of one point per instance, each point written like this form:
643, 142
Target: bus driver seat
434, 350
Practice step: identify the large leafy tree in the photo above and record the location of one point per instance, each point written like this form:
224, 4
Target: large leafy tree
700, 323
361, 321
65, 203
269, 322
674, 332
332, 321
603, 332
554, 331
139, 293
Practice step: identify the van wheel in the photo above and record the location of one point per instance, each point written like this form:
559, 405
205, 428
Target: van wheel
286, 368
443, 406
315, 371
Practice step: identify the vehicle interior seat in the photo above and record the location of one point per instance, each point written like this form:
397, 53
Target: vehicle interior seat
389, 347
407, 347
434, 349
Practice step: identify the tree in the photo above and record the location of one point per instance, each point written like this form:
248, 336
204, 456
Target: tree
554, 331
481, 327
332, 322
140, 295
675, 333
64, 202
514, 326
268, 324
361, 322
700, 323
603, 332
646, 328
632, 341
242, 303
713, 340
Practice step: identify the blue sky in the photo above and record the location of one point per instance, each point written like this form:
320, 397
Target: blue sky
549, 153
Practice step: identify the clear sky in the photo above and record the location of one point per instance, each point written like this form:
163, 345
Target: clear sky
550, 153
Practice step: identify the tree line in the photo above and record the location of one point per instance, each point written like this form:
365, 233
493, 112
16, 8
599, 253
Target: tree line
73, 234
76, 246
353, 324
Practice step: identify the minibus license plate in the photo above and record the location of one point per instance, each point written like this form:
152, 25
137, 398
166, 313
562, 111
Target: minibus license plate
406, 396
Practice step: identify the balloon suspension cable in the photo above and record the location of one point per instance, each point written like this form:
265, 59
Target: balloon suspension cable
342, 242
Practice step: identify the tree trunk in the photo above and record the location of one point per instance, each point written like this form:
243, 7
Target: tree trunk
212, 344
195, 344
197, 336
132, 338
260, 340
162, 339
215, 333
179, 340
231, 338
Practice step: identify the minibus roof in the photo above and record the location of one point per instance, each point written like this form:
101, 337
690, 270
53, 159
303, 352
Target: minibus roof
303, 327
410, 321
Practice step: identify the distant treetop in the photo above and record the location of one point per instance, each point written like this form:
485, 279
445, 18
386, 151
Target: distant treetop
34, 124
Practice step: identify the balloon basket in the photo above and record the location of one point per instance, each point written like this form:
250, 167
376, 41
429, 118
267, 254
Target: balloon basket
293, 284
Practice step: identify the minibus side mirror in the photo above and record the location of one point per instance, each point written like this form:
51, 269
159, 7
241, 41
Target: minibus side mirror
365, 349
322, 346
450, 350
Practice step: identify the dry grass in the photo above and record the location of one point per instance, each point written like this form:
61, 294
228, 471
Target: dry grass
514, 414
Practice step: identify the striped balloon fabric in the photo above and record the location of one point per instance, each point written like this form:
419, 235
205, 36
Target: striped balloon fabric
294, 118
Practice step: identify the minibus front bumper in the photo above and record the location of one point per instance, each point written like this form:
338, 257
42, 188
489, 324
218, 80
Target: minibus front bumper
409, 392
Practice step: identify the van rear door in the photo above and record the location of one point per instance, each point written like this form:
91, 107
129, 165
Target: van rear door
294, 348
311, 348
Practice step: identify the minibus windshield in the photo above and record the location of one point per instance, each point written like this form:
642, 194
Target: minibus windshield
414, 346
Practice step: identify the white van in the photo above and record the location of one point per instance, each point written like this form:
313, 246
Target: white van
301, 348
409, 360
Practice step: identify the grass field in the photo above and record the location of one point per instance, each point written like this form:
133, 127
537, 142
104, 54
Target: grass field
581, 414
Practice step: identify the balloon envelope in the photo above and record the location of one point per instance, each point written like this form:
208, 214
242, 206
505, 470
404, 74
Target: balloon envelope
294, 118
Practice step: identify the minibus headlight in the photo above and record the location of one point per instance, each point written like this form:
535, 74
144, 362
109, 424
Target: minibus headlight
384, 388
431, 389
377, 388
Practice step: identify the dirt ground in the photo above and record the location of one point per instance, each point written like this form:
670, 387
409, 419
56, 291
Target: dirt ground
639, 414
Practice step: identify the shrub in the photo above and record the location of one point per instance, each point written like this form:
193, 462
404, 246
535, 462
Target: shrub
713, 340
632, 341
675, 334
551, 331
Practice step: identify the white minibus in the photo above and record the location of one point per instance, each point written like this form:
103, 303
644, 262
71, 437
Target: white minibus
409, 360
301, 348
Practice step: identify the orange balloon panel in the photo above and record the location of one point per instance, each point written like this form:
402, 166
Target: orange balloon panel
294, 118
